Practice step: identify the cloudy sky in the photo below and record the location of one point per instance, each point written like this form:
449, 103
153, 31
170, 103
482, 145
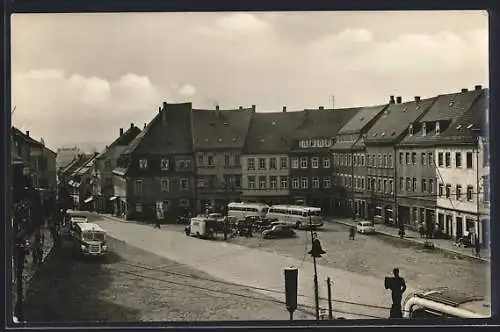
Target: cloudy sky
80, 77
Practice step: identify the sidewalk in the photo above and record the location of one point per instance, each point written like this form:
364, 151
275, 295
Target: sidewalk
413, 236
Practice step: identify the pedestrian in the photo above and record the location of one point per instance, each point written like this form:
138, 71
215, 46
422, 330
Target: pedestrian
352, 233
478, 247
397, 285
157, 223
401, 232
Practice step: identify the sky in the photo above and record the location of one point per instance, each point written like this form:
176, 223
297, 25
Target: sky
80, 77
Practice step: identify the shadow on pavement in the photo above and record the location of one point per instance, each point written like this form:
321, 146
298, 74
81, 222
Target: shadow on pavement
67, 288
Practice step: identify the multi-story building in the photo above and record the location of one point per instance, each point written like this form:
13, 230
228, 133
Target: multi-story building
80, 184
349, 163
419, 167
40, 160
265, 164
218, 140
155, 174
105, 162
381, 156
463, 166
310, 158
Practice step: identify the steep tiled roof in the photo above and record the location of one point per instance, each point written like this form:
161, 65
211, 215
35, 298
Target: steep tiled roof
85, 166
19, 135
168, 133
447, 108
324, 123
395, 119
220, 129
125, 139
75, 164
272, 132
361, 119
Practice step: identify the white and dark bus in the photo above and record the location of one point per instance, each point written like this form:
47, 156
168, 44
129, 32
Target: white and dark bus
299, 216
242, 210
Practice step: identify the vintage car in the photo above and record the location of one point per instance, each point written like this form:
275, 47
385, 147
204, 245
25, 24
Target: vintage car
365, 227
278, 231
89, 239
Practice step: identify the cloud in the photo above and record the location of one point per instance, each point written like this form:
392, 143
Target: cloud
236, 24
75, 108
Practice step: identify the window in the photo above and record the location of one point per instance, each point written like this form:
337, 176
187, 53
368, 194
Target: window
385, 186
469, 159
283, 162
431, 186
304, 183
423, 158
251, 182
326, 162
284, 182
107, 166
448, 191
211, 161
184, 184
138, 187
401, 154
447, 159
458, 192
327, 183
262, 182
440, 159
401, 183
349, 160
379, 163
295, 183
201, 183
362, 160
407, 158
424, 185
389, 160
410, 130
458, 159
201, 159
441, 186
273, 182
486, 186
251, 164
303, 162
438, 128
414, 185
414, 158
165, 185
368, 184
273, 164
143, 163
315, 162
470, 189
385, 161
424, 129
408, 184
262, 163
138, 207
379, 185
237, 181
184, 202
236, 157
431, 159
391, 186
227, 160
295, 162
315, 182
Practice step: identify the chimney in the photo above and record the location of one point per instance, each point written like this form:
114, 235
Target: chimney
284, 109
28, 133
417, 99
145, 124
253, 108
216, 107
121, 131
322, 107
478, 87
398, 99
131, 125
164, 105
241, 107
391, 100
465, 90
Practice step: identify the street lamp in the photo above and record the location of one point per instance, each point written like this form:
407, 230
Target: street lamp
316, 251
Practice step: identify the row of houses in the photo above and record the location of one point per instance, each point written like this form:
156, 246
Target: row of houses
410, 162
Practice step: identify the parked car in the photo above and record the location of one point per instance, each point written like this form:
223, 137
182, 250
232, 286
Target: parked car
278, 231
365, 227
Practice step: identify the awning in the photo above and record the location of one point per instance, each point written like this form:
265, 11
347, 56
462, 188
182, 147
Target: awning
89, 199
112, 198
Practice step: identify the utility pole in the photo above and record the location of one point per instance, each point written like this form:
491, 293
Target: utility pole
477, 189
330, 309
316, 251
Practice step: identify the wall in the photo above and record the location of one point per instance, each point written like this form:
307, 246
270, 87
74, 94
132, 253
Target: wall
267, 172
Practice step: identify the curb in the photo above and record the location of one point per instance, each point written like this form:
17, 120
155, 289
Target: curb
420, 242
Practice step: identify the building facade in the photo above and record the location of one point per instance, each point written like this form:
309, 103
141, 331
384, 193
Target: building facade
81, 186
265, 162
350, 164
155, 175
105, 162
219, 138
382, 157
66, 155
420, 164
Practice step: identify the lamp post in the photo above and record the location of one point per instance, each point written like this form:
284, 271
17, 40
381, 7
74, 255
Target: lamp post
316, 251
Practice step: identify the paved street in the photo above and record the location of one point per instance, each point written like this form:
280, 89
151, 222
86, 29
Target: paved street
134, 285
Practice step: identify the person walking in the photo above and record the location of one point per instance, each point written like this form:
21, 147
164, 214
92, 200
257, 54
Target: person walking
352, 233
397, 285
157, 222
477, 247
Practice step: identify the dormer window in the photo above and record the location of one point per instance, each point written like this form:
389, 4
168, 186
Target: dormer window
226, 123
424, 129
438, 128
143, 163
469, 126
219, 140
164, 165
451, 103
459, 126
383, 134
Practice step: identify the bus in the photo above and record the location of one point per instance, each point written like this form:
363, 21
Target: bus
299, 216
445, 303
242, 210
